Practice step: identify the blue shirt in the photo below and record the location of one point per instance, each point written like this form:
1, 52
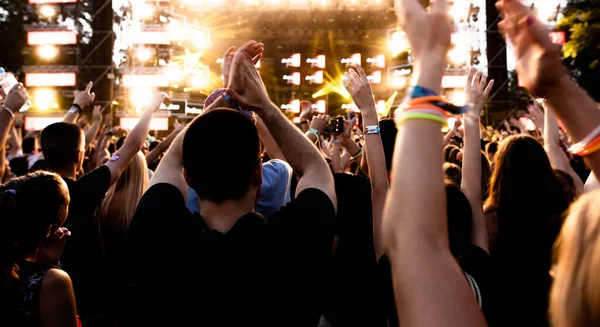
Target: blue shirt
274, 191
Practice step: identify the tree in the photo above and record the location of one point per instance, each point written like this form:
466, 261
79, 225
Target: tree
581, 23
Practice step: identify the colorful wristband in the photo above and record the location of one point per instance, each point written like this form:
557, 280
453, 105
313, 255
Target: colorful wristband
358, 154
372, 130
420, 115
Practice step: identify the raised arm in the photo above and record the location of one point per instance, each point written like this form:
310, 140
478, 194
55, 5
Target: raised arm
246, 87
82, 99
557, 156
336, 160
430, 291
541, 70
14, 100
358, 85
268, 141
90, 135
135, 140
15, 141
477, 91
163, 146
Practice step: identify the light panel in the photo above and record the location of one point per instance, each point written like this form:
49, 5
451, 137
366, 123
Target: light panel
51, 37
132, 80
50, 79
51, 1
156, 124
454, 81
39, 123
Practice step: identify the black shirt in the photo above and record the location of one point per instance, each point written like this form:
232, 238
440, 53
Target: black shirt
83, 257
475, 263
261, 272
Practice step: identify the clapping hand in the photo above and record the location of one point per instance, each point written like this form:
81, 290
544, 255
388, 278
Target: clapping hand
97, 113
86, 97
359, 87
538, 60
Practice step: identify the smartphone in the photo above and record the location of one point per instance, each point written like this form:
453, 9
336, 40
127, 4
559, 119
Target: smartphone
336, 125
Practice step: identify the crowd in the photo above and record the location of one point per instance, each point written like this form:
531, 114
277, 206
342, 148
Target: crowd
241, 218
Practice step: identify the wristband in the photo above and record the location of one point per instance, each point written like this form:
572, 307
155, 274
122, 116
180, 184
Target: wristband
12, 114
231, 102
315, 131
358, 154
372, 130
336, 141
419, 92
579, 146
78, 107
315, 134
304, 122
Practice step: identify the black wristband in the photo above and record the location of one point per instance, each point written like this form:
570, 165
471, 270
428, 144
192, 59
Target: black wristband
304, 122
77, 106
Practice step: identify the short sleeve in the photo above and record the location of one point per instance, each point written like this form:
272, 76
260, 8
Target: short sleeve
275, 188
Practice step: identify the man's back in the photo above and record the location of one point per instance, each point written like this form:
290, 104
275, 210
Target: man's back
258, 272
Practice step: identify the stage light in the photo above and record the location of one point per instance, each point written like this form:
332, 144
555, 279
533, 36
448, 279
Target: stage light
458, 97
375, 77
140, 97
43, 99
47, 11
458, 57
320, 107
319, 61
47, 52
198, 81
399, 82
144, 11
354, 59
454, 81
399, 43
317, 78
293, 79
377, 61
294, 61
144, 54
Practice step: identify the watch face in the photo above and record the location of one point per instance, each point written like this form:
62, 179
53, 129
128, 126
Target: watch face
73, 110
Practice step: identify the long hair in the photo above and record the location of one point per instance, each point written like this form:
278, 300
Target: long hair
32, 207
529, 203
575, 296
131, 186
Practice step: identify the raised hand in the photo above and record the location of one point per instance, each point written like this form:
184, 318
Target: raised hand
359, 87
226, 65
477, 91
178, 126
245, 85
86, 97
539, 62
97, 113
108, 119
348, 126
319, 123
306, 110
16, 98
53, 246
156, 101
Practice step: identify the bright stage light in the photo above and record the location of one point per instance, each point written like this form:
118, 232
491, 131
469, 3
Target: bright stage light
140, 96
47, 11
458, 57
143, 54
43, 99
198, 81
144, 11
399, 43
399, 82
47, 52
458, 97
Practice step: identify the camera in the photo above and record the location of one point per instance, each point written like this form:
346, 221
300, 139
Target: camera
336, 125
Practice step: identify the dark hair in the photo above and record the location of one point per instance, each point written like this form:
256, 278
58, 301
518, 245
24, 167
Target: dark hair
486, 175
221, 154
388, 140
153, 145
60, 144
19, 166
529, 203
452, 173
460, 220
29, 144
491, 149
29, 205
567, 183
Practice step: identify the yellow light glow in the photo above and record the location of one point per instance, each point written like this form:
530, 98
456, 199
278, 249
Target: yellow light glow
140, 96
143, 10
399, 43
47, 52
47, 11
458, 98
143, 54
198, 81
43, 99
399, 82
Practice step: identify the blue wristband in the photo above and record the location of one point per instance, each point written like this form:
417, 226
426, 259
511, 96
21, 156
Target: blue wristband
420, 92
231, 102
315, 131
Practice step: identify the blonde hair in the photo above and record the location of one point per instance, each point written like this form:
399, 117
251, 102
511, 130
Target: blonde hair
132, 184
575, 296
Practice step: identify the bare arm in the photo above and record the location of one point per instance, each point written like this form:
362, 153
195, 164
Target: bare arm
558, 158
431, 291
15, 142
82, 99
269, 142
13, 102
135, 140
153, 155
345, 160
358, 85
336, 161
90, 135
57, 300
477, 94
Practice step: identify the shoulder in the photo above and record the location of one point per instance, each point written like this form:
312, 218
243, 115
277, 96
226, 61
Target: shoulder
160, 203
56, 278
310, 206
163, 192
277, 165
99, 177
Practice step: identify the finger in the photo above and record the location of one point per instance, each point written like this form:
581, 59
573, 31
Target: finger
89, 87
476, 79
246, 48
93, 95
488, 89
513, 7
440, 6
235, 96
355, 76
482, 83
347, 85
538, 31
228, 53
409, 8
350, 79
470, 76
256, 59
361, 71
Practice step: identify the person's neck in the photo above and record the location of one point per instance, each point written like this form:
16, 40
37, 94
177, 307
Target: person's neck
222, 217
67, 172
